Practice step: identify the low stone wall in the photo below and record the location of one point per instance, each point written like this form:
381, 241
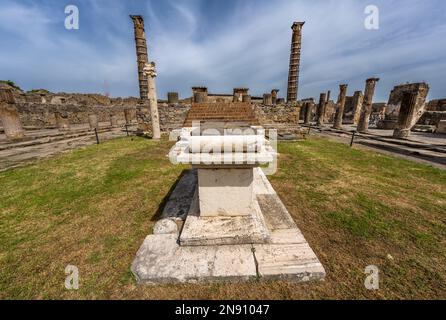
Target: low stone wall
282, 114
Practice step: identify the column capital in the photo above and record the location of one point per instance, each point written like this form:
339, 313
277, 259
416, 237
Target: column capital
297, 26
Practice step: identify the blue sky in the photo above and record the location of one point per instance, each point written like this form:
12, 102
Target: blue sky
223, 44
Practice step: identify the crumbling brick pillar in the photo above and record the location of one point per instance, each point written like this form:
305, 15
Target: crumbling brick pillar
128, 115
10, 116
267, 99
366, 110
238, 94
62, 121
172, 97
341, 105
309, 106
246, 98
321, 109
93, 121
358, 98
199, 94
141, 54
274, 93
293, 73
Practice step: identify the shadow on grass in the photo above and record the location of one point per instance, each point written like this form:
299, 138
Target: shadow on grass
163, 203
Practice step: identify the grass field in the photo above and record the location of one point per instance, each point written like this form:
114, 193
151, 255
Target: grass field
93, 207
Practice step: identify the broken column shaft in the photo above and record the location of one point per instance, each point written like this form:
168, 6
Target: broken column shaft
274, 93
10, 116
407, 111
341, 105
321, 109
267, 99
366, 110
293, 73
309, 105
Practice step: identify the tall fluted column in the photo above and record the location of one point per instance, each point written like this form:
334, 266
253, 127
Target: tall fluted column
341, 105
150, 72
141, 54
366, 110
293, 73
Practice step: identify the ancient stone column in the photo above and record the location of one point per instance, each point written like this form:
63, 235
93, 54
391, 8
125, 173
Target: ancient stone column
341, 105
309, 105
93, 121
293, 73
62, 121
10, 116
246, 98
141, 54
366, 110
150, 72
172, 97
113, 121
358, 98
407, 111
321, 109
128, 115
274, 93
267, 99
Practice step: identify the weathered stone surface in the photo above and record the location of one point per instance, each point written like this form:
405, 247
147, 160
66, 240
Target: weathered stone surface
219, 230
225, 192
295, 262
165, 226
161, 260
366, 110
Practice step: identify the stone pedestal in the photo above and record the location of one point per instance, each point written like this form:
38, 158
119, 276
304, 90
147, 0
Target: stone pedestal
225, 192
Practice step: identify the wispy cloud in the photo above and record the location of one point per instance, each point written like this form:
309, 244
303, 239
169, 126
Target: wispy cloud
223, 45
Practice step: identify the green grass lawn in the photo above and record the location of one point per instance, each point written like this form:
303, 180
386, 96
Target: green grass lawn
93, 207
